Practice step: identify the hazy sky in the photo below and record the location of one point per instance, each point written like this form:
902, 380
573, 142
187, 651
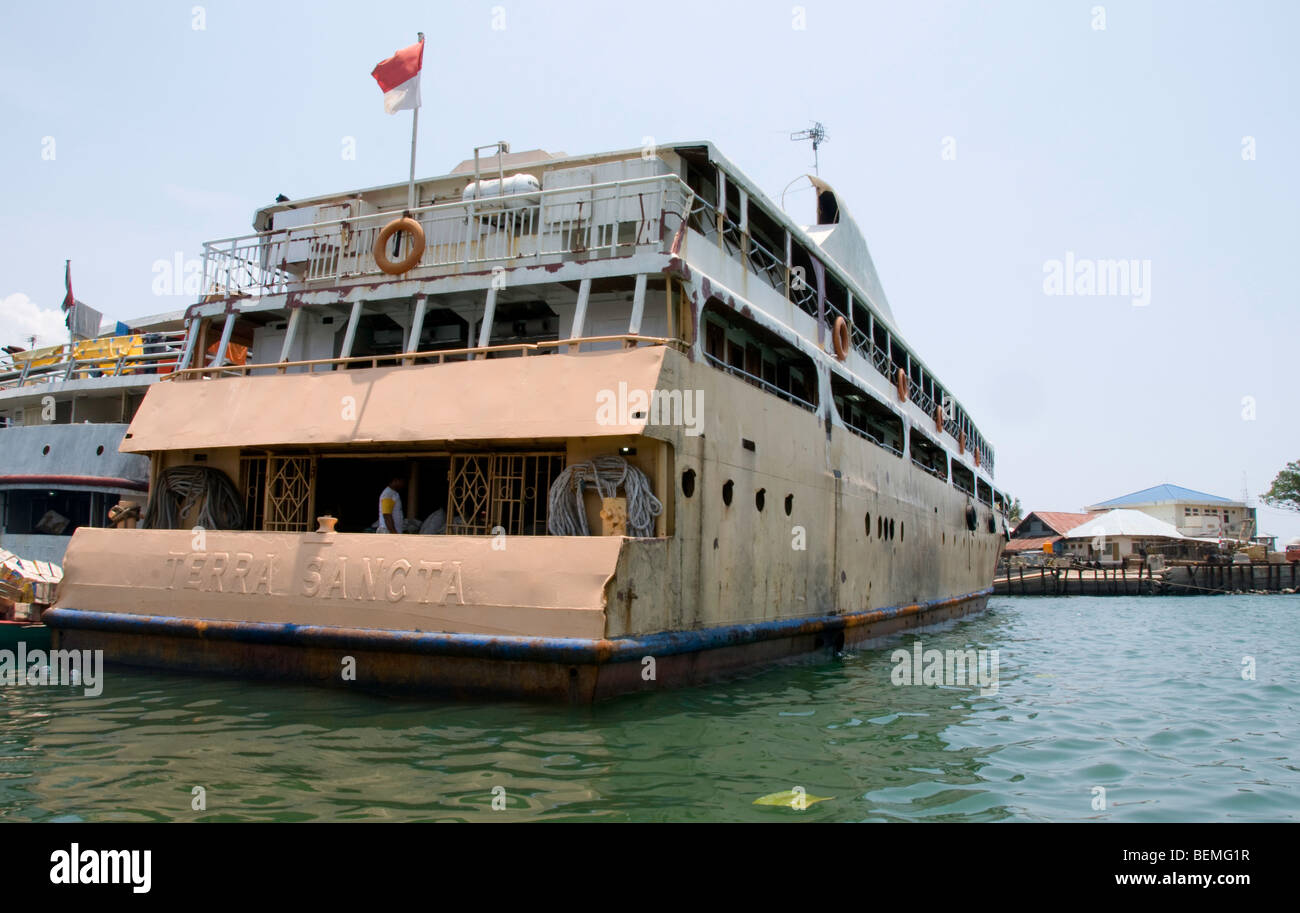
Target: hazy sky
974, 144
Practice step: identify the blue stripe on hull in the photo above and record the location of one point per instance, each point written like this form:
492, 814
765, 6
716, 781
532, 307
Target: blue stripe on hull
563, 650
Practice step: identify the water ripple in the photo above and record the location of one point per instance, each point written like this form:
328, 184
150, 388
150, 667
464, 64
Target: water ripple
1142, 698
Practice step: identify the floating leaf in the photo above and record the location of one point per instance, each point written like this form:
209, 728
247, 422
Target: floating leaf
790, 798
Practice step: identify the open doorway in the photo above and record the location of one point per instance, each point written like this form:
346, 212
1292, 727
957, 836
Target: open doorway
349, 489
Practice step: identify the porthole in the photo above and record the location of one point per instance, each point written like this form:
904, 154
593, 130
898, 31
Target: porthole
99, 451
891, 529
789, 504
902, 531
868, 524
726, 492
688, 482
880, 527
760, 498
45, 451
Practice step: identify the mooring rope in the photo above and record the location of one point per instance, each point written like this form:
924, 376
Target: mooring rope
567, 512
182, 488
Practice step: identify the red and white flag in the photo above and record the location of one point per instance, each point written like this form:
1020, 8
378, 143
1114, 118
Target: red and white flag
69, 300
399, 77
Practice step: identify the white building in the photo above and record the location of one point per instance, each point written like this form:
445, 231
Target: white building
1119, 533
1192, 513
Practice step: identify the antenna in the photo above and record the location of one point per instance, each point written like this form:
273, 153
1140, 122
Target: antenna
816, 133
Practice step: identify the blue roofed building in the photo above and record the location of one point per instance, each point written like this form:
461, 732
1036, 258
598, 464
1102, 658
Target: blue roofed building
1192, 513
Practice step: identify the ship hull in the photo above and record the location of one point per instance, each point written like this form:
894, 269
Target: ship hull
575, 670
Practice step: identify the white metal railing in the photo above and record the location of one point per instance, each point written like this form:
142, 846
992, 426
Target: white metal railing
874, 438
939, 472
106, 356
593, 220
759, 382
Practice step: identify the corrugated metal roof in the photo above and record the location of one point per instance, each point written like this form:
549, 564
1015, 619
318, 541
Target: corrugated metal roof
1030, 544
1056, 520
1162, 493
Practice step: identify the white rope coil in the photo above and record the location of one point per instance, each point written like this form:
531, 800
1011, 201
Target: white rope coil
567, 513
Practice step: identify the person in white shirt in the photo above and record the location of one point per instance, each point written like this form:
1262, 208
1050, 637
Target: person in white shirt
391, 517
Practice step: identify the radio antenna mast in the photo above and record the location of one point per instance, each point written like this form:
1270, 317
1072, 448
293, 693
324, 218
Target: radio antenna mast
816, 133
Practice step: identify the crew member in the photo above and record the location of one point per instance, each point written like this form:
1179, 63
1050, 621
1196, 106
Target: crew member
390, 506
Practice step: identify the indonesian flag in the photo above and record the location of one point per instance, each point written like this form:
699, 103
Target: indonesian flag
399, 77
68, 300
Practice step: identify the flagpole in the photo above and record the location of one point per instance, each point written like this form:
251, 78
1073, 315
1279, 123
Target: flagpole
72, 308
415, 124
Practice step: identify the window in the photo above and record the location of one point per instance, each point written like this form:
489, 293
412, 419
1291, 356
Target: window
289, 489
929, 455
758, 356
509, 490
867, 417
962, 478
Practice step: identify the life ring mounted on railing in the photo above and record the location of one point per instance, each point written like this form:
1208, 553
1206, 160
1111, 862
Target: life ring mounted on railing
414, 250
901, 381
938, 419
840, 339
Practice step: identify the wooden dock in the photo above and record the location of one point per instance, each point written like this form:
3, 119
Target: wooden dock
1181, 580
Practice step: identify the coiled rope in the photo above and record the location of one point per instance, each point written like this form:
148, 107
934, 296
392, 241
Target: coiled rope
182, 488
567, 513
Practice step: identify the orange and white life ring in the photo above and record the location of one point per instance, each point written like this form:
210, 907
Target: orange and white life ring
414, 247
938, 419
840, 338
902, 385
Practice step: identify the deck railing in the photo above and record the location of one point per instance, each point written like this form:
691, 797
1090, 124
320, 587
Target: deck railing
437, 356
107, 356
802, 292
875, 439
589, 221
759, 382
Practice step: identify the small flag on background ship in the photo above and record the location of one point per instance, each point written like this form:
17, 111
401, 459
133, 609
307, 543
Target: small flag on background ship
399, 77
68, 300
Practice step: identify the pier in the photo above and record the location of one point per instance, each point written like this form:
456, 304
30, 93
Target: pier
1193, 579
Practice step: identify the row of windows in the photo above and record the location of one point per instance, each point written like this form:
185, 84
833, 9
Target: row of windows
742, 347
794, 276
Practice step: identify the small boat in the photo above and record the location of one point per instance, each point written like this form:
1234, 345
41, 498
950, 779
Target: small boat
27, 588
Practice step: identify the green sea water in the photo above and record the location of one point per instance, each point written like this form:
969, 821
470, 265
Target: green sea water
1143, 698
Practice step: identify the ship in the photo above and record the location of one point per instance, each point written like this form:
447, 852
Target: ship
649, 431
64, 410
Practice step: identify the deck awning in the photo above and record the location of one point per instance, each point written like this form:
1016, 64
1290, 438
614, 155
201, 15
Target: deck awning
520, 398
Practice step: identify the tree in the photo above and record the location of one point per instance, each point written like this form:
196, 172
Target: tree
1285, 491
1014, 515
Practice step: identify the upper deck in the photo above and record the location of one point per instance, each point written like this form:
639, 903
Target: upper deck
590, 250
93, 380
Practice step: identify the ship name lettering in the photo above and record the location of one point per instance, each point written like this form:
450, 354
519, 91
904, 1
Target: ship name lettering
438, 582
213, 572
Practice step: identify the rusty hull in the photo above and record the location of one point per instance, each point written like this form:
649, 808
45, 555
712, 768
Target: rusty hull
573, 670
